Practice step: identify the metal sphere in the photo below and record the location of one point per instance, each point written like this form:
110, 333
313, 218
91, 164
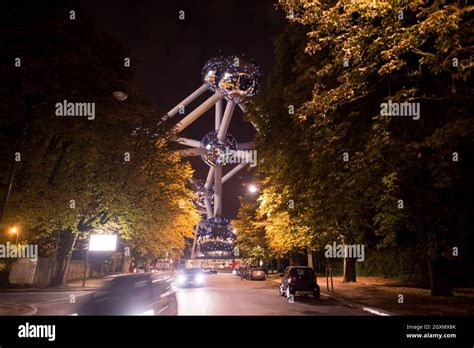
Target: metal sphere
219, 226
210, 71
239, 78
215, 246
216, 150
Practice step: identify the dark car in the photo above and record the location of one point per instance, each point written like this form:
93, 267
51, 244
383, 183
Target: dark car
133, 294
191, 276
299, 280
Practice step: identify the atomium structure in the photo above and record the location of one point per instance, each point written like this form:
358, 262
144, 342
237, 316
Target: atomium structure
232, 80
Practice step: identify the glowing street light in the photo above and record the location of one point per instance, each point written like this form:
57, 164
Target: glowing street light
14, 230
253, 188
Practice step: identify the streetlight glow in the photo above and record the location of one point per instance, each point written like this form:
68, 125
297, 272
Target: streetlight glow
253, 188
14, 230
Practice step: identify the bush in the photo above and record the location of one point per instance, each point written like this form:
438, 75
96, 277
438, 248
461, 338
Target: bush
402, 264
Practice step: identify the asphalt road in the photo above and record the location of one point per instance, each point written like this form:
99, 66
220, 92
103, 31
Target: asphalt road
226, 294
222, 294
48, 302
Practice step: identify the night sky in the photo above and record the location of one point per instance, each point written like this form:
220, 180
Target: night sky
168, 54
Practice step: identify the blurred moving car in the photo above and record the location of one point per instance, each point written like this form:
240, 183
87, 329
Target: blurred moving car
299, 280
133, 294
191, 276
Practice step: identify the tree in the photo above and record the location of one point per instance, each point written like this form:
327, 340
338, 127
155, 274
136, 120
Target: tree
355, 175
112, 173
250, 240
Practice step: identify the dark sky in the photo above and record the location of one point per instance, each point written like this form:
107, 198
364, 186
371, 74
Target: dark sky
168, 54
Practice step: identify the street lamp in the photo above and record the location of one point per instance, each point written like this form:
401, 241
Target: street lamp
14, 230
252, 188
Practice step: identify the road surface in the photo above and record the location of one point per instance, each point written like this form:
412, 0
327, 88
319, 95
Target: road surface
226, 294
222, 294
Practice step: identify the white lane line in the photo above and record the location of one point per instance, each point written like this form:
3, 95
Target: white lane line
373, 311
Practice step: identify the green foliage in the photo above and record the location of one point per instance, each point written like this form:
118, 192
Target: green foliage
73, 158
250, 238
346, 167
404, 264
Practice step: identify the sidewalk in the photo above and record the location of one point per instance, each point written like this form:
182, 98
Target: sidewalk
383, 294
92, 284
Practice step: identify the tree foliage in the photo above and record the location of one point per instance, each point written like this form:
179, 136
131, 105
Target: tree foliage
356, 176
110, 174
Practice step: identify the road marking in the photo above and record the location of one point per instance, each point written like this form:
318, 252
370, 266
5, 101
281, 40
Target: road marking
373, 311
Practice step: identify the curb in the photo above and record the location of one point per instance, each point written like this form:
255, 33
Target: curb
364, 307
32, 309
349, 303
48, 290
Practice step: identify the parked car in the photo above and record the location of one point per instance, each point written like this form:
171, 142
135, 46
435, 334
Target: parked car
133, 294
210, 270
191, 276
299, 280
255, 273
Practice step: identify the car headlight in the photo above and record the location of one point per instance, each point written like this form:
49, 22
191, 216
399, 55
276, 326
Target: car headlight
148, 312
181, 279
199, 278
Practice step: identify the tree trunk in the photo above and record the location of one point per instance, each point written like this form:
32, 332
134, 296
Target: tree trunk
59, 161
147, 265
278, 265
67, 241
309, 255
440, 285
127, 261
349, 270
